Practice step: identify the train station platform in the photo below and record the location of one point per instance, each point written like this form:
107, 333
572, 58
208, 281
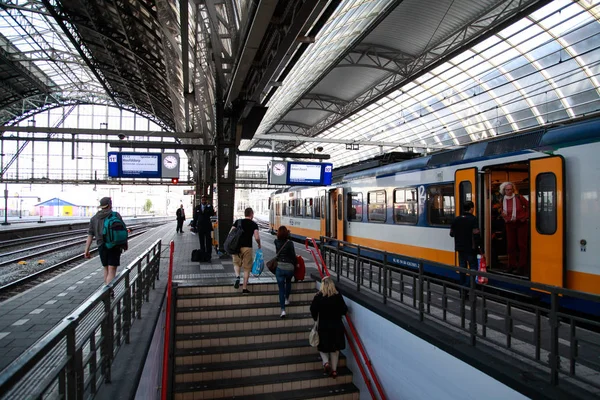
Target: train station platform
27, 317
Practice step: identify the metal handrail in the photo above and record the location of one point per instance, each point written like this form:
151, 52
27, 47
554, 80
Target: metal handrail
73, 359
431, 296
323, 271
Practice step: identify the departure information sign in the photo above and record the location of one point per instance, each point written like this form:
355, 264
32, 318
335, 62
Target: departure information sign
304, 174
143, 165
135, 165
299, 173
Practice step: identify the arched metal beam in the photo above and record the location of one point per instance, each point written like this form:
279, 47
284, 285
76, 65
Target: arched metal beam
320, 102
383, 58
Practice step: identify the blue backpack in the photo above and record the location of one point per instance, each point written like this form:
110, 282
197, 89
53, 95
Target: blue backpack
114, 232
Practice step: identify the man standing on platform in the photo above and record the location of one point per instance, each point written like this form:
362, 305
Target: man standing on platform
180, 218
245, 258
110, 258
465, 231
203, 223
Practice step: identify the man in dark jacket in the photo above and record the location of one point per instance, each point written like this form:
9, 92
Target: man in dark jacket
180, 218
203, 224
465, 231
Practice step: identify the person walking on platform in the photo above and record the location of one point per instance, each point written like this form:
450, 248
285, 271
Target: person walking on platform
180, 218
465, 231
204, 228
328, 308
245, 257
286, 262
110, 258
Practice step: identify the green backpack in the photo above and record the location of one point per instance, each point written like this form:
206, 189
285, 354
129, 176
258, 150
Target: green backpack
114, 232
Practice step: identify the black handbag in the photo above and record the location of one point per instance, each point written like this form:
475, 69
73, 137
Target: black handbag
272, 263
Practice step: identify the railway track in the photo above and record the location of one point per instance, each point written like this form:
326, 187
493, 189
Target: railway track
35, 278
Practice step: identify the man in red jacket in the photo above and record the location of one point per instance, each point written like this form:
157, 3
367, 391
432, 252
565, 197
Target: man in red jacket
515, 211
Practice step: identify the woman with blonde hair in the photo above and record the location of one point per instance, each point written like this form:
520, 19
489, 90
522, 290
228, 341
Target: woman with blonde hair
515, 211
329, 307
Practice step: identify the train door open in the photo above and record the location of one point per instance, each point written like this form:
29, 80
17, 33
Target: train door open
336, 213
506, 242
323, 213
547, 229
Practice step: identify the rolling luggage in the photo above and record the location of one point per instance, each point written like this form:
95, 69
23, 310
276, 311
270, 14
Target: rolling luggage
300, 269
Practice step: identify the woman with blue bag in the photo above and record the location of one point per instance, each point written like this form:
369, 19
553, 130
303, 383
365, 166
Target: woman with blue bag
286, 262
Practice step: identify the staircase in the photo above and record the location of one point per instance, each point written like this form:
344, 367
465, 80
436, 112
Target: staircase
233, 345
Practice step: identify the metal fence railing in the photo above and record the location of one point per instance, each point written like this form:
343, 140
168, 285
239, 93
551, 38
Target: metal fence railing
74, 358
563, 344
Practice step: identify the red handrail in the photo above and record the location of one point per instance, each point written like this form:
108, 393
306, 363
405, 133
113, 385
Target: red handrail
324, 271
360, 366
367, 361
165, 372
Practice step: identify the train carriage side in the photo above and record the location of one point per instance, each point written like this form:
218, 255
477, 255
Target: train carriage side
407, 208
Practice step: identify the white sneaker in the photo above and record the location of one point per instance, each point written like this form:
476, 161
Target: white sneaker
282, 314
287, 302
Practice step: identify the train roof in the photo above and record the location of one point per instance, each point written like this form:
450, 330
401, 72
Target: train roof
545, 139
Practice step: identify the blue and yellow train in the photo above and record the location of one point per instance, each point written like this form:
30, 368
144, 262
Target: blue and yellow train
407, 208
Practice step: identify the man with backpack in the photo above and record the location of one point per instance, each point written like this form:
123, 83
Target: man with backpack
110, 232
245, 257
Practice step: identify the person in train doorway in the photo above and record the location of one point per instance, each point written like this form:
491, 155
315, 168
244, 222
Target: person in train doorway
110, 258
245, 257
180, 214
286, 262
328, 308
204, 228
467, 239
515, 211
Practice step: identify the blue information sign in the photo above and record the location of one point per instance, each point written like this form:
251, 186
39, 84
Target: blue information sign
311, 174
134, 165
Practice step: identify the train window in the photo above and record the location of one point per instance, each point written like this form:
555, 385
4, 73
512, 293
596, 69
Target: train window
406, 206
284, 208
317, 207
466, 191
376, 206
340, 207
308, 206
440, 202
545, 213
354, 202
299, 208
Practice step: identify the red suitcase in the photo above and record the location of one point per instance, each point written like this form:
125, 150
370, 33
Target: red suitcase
300, 269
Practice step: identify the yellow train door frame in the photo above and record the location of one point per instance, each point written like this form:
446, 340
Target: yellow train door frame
336, 213
547, 216
323, 212
465, 188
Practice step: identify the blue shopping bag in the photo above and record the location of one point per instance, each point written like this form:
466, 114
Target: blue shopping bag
259, 263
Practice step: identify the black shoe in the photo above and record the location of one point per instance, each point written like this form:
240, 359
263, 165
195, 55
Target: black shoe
245, 291
236, 285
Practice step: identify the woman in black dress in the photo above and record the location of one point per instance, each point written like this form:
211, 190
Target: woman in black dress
329, 307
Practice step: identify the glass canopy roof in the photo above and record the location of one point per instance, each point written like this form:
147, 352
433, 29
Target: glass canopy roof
538, 71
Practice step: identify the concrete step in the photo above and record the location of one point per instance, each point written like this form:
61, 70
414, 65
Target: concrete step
242, 310
241, 324
244, 352
235, 369
253, 287
234, 299
234, 338
263, 384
